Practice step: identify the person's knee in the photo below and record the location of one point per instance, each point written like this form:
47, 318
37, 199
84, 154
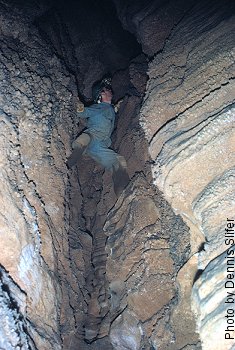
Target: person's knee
122, 161
120, 177
81, 141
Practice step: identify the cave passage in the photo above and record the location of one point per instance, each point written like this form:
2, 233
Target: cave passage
82, 268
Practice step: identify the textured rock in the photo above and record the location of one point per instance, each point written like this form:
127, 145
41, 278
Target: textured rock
88, 53
13, 329
34, 200
188, 118
213, 305
188, 56
67, 283
97, 323
141, 267
125, 332
151, 21
185, 326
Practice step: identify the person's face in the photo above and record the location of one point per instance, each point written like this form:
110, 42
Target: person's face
106, 95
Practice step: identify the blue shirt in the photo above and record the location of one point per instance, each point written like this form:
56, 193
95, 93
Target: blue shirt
100, 120
100, 124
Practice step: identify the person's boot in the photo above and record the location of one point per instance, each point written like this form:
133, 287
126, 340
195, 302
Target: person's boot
75, 156
120, 180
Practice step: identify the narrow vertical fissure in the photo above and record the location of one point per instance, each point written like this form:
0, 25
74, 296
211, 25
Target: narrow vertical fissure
98, 197
82, 267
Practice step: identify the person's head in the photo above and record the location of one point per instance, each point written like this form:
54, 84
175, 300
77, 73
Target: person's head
102, 91
106, 95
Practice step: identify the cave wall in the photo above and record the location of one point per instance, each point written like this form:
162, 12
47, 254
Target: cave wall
188, 118
88, 36
76, 263
152, 21
36, 130
52, 239
147, 245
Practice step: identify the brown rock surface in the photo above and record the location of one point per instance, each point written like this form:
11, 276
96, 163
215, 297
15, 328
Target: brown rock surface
52, 243
188, 118
13, 330
213, 304
151, 21
64, 282
141, 265
35, 203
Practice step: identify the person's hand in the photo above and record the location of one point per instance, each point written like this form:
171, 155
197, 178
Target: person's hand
79, 106
117, 105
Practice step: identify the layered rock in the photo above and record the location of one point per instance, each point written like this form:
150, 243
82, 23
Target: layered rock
89, 38
13, 331
67, 284
53, 244
35, 138
147, 244
188, 117
213, 302
152, 21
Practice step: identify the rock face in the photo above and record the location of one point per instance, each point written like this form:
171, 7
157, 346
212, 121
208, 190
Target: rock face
151, 21
52, 241
144, 248
35, 138
13, 331
80, 269
87, 35
213, 302
188, 118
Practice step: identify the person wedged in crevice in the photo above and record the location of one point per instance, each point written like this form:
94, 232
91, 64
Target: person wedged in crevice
96, 138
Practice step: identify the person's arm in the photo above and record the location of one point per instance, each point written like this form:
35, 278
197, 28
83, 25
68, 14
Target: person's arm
118, 105
81, 110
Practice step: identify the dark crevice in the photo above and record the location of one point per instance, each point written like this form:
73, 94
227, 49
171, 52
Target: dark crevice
197, 276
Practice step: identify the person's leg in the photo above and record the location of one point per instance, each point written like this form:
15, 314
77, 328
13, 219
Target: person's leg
120, 175
112, 161
78, 146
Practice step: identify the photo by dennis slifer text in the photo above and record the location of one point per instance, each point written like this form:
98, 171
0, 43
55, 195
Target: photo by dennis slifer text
230, 279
